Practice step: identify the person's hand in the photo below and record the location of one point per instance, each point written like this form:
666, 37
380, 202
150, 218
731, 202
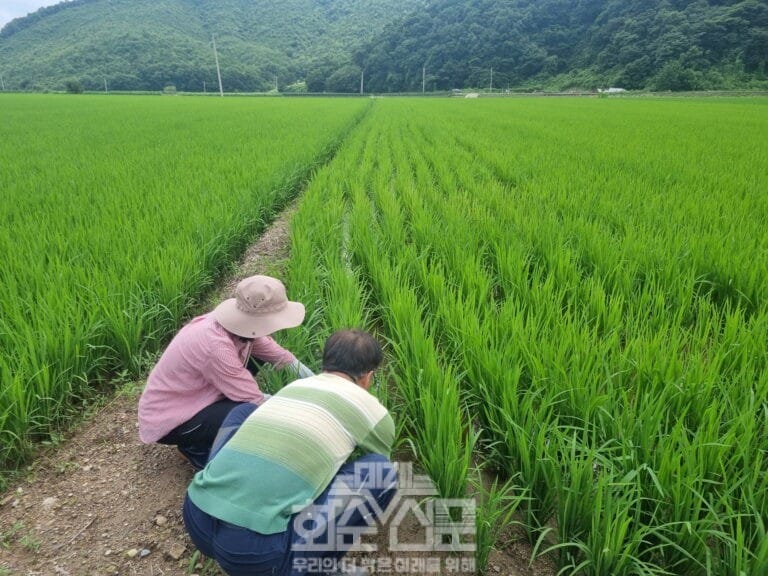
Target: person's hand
301, 370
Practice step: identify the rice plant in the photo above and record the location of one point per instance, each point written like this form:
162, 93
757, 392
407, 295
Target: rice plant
584, 281
118, 215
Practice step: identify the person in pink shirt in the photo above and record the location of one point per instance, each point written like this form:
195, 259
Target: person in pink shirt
208, 367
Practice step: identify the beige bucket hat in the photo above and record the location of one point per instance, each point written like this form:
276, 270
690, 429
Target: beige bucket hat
259, 308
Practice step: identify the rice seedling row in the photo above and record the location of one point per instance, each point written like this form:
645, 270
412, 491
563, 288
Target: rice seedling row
595, 312
118, 214
574, 293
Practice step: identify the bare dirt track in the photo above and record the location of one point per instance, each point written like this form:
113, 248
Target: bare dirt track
102, 503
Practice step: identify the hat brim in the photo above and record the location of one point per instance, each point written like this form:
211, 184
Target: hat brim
254, 326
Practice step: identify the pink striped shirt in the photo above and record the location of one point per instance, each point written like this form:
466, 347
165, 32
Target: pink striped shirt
203, 364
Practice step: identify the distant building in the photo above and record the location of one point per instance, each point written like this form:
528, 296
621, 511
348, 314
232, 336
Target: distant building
611, 90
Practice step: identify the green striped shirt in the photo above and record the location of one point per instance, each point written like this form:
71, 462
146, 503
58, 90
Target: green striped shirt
288, 451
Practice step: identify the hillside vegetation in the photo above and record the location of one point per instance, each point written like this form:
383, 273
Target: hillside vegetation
654, 44
399, 45
150, 44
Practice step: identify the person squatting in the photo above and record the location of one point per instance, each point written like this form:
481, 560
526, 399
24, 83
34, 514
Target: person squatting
284, 478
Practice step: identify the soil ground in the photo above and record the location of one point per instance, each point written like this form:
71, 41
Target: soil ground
103, 503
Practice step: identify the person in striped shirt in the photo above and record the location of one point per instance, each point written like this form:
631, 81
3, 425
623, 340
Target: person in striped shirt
287, 478
208, 368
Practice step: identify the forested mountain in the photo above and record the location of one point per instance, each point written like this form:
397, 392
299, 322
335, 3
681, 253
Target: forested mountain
324, 45
150, 44
661, 44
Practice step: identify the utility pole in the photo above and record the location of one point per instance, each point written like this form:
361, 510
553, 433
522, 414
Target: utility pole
491, 80
423, 78
218, 71
276, 90
2, 83
106, 91
362, 76
204, 91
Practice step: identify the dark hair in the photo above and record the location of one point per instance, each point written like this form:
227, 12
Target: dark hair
352, 352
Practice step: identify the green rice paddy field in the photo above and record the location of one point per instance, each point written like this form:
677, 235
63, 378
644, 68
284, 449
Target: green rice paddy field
574, 292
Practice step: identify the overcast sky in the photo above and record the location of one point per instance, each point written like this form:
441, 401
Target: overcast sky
10, 9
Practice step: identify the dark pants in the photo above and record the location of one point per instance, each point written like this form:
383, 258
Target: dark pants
316, 538
195, 437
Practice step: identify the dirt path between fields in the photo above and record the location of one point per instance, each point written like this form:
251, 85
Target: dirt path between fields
102, 503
